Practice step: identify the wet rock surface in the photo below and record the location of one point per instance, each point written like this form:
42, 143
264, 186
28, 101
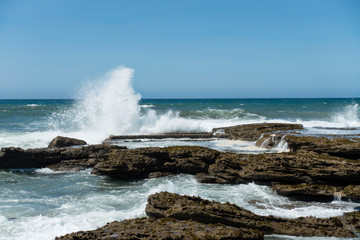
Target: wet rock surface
60, 142
164, 228
171, 205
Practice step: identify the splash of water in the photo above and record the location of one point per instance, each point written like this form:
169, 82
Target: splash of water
349, 117
111, 104
282, 146
107, 106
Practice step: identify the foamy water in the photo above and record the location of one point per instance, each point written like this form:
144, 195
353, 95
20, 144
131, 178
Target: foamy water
42, 204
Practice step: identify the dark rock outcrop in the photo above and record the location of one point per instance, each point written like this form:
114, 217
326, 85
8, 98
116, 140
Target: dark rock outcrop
252, 132
171, 205
152, 162
56, 158
165, 229
60, 142
314, 192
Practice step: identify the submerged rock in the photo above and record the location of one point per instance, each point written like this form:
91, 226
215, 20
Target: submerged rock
165, 229
171, 205
60, 142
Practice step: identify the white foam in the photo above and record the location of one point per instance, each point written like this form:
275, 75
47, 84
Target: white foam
282, 146
146, 106
48, 171
349, 117
33, 105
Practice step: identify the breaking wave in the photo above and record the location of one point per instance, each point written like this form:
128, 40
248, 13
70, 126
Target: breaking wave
111, 106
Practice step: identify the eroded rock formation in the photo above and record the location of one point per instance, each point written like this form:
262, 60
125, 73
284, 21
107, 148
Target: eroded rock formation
164, 229
56, 158
171, 205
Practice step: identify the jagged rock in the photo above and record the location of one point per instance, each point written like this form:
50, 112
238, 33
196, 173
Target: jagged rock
163, 229
340, 147
252, 132
56, 158
60, 142
171, 205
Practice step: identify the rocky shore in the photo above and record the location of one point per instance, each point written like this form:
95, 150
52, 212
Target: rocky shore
314, 169
172, 216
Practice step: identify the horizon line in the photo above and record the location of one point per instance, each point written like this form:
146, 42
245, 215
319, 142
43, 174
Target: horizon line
206, 98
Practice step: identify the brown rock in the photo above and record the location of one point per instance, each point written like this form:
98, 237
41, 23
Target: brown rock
60, 142
340, 147
313, 192
287, 168
171, 205
210, 166
147, 162
163, 229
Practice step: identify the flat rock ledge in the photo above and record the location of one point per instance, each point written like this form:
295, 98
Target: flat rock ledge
57, 159
173, 216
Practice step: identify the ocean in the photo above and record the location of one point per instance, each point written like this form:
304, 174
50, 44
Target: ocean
42, 204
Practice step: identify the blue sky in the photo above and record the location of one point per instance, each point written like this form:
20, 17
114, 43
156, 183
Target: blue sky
182, 48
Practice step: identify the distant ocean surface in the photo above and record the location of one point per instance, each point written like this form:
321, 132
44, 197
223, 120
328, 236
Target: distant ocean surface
33, 123
42, 204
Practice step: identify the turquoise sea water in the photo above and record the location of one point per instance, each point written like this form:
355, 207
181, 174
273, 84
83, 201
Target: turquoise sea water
41, 204
33, 123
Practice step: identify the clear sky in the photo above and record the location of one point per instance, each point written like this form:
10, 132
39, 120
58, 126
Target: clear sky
182, 48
